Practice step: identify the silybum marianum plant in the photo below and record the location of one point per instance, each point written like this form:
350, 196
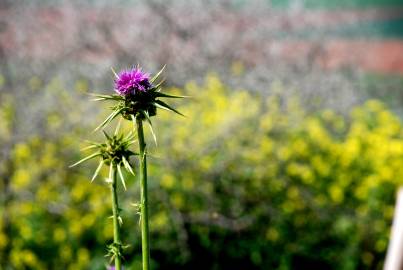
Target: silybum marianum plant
137, 97
115, 154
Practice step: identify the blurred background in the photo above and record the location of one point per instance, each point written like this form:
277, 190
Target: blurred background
289, 157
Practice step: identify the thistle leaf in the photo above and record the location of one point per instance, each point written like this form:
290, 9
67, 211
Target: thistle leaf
129, 136
160, 94
163, 105
121, 177
132, 139
89, 147
114, 73
152, 133
85, 159
105, 121
127, 166
106, 135
157, 87
117, 127
109, 118
145, 113
105, 97
130, 143
101, 163
158, 74
99, 95
94, 143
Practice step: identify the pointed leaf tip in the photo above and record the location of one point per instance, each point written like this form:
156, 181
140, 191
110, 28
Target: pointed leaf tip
118, 127
114, 73
127, 166
158, 74
160, 94
163, 105
85, 159
101, 163
121, 177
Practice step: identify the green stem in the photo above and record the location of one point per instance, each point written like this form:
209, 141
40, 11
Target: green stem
144, 200
116, 226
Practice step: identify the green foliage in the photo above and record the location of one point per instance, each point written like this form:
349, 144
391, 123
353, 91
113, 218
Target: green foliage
243, 182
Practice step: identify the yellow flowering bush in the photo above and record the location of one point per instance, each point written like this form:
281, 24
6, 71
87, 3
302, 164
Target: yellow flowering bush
244, 181
272, 185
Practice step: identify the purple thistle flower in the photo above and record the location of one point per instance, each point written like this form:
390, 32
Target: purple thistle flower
132, 81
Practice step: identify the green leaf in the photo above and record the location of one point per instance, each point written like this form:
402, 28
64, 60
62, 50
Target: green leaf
109, 118
163, 105
99, 99
145, 113
85, 159
127, 166
160, 94
89, 147
121, 177
105, 97
105, 121
152, 133
129, 136
158, 74
157, 87
117, 127
101, 163
94, 143
114, 73
106, 135
130, 143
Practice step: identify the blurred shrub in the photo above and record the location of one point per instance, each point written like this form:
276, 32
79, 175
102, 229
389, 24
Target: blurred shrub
241, 183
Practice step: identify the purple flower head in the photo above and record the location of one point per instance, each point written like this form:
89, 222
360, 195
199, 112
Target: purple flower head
132, 81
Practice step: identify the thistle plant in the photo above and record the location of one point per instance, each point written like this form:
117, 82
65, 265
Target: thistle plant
115, 154
137, 97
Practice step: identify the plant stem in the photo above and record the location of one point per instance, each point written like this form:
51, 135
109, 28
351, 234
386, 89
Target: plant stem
144, 198
116, 226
